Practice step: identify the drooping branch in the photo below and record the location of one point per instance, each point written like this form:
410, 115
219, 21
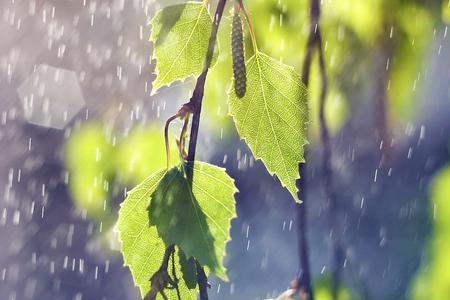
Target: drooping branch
196, 100
194, 107
303, 282
315, 44
327, 173
195, 104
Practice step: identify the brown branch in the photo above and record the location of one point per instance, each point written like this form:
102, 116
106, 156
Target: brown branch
161, 279
303, 282
197, 96
196, 104
327, 170
315, 44
202, 281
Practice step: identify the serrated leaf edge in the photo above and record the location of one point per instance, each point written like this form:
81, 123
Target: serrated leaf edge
116, 229
234, 216
156, 88
231, 90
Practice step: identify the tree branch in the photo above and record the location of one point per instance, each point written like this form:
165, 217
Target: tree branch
195, 103
315, 44
197, 97
303, 281
327, 173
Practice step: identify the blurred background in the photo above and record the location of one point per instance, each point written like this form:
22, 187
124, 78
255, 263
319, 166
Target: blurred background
78, 128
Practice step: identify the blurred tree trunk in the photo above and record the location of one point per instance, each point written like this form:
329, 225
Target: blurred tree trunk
383, 58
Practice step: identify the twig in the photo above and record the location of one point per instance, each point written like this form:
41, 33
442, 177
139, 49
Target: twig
166, 137
202, 281
160, 280
197, 96
315, 44
327, 170
303, 281
183, 113
174, 274
196, 105
183, 134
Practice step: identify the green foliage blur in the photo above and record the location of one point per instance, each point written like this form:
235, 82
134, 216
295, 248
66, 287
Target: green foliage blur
90, 166
433, 279
323, 286
96, 161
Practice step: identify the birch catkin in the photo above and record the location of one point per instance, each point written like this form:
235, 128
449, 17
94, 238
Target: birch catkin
237, 51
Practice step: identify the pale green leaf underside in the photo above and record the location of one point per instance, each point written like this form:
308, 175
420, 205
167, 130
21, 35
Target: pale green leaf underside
180, 34
272, 117
141, 246
197, 219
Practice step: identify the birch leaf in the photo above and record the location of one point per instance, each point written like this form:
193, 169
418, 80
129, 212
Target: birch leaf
196, 217
272, 117
141, 246
180, 34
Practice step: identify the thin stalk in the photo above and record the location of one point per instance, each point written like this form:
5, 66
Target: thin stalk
166, 137
196, 104
250, 26
303, 281
327, 171
197, 96
315, 44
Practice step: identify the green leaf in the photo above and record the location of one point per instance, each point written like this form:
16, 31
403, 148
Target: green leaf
196, 217
142, 248
188, 268
180, 34
272, 117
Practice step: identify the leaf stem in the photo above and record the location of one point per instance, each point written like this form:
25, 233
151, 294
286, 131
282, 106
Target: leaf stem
166, 137
250, 26
182, 139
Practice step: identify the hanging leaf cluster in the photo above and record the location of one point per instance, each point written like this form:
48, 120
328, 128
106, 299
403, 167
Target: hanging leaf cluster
167, 209
192, 214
